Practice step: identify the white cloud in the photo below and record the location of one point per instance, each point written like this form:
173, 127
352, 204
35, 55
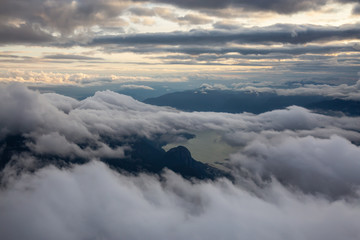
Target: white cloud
58, 126
93, 202
133, 86
311, 187
319, 166
342, 91
80, 79
66, 104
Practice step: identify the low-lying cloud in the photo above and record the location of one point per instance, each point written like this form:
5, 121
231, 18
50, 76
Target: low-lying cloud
342, 91
323, 166
295, 172
91, 202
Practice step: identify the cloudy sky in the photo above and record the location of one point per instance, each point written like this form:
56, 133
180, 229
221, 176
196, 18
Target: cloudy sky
84, 42
295, 173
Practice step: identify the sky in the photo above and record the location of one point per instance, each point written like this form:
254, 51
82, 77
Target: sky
88, 42
292, 173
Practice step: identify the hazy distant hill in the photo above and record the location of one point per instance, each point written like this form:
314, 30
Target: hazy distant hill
239, 101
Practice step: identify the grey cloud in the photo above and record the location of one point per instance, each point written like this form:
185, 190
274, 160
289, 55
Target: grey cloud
168, 14
61, 16
356, 9
23, 34
141, 11
44, 18
279, 6
220, 51
225, 26
71, 57
244, 54
63, 103
165, 13
91, 201
193, 19
292, 34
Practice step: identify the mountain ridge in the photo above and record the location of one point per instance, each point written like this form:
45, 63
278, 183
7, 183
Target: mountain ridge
254, 102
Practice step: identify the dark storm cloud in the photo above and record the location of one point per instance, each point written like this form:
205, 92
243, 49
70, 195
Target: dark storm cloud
60, 16
292, 34
23, 34
279, 6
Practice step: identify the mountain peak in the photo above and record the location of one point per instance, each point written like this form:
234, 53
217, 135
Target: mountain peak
178, 156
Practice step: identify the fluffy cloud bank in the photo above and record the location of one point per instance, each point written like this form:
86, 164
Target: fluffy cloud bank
342, 91
93, 202
296, 172
31, 77
59, 125
327, 166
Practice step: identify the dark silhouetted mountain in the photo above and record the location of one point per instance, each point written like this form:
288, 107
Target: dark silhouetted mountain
144, 156
179, 160
148, 156
240, 101
178, 157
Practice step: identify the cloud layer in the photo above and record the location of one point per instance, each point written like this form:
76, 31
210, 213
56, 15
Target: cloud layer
282, 39
295, 172
91, 202
62, 127
281, 33
342, 91
280, 6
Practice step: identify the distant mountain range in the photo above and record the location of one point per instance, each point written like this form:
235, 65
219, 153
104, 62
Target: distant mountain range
240, 101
